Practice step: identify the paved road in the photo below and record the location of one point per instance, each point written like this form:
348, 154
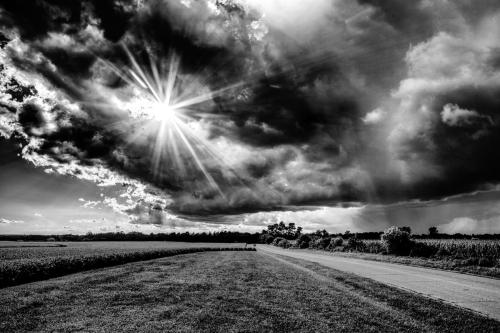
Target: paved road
477, 293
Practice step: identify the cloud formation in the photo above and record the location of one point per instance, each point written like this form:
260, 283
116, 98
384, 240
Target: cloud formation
446, 121
368, 101
6, 221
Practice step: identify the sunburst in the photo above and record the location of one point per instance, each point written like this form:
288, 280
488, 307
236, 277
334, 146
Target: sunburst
168, 113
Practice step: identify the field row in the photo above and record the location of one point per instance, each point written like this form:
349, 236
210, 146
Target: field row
35, 250
18, 271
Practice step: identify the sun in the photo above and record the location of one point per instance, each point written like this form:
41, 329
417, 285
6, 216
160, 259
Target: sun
164, 113
166, 101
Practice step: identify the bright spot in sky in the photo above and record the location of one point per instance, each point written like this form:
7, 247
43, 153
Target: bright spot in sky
164, 113
168, 105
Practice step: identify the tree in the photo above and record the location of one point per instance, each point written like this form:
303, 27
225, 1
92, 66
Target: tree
282, 230
291, 230
407, 229
321, 233
298, 232
433, 231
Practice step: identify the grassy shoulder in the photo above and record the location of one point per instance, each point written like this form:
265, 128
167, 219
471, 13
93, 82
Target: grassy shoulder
226, 292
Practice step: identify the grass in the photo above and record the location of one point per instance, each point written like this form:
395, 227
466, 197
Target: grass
226, 292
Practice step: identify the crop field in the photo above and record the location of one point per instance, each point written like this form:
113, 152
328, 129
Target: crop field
26, 262
485, 250
34, 250
465, 248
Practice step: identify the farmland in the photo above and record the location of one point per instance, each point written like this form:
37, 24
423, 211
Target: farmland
27, 262
399, 246
226, 292
458, 248
34, 250
480, 257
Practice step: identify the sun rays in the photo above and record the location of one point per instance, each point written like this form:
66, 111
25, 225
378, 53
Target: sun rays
167, 103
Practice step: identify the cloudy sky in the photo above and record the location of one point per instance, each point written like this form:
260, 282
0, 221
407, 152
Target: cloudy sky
158, 116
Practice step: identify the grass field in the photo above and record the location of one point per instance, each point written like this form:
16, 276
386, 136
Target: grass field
226, 292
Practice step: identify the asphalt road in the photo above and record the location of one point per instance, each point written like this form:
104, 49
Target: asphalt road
480, 294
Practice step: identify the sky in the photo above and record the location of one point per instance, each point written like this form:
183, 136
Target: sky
205, 115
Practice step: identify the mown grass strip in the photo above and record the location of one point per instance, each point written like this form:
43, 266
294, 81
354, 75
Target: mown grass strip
226, 292
15, 272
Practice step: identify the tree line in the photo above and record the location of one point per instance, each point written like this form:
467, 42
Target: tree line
288, 231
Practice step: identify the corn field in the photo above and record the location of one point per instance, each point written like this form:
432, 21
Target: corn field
454, 248
22, 265
464, 248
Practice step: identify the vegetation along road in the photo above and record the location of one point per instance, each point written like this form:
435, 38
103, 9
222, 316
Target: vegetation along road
477, 293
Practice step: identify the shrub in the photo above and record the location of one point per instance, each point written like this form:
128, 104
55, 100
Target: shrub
266, 239
320, 243
337, 241
324, 242
284, 243
277, 240
355, 244
372, 246
397, 241
303, 241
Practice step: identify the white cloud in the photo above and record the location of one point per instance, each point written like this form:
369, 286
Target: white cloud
6, 221
333, 219
454, 116
375, 116
467, 225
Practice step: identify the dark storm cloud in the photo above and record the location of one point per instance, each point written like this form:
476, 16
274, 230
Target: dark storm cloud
461, 142
411, 17
446, 127
34, 19
352, 105
288, 100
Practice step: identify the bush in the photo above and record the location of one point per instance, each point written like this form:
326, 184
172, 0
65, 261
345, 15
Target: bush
320, 243
372, 246
337, 241
303, 241
355, 244
266, 239
396, 241
323, 243
277, 240
284, 243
